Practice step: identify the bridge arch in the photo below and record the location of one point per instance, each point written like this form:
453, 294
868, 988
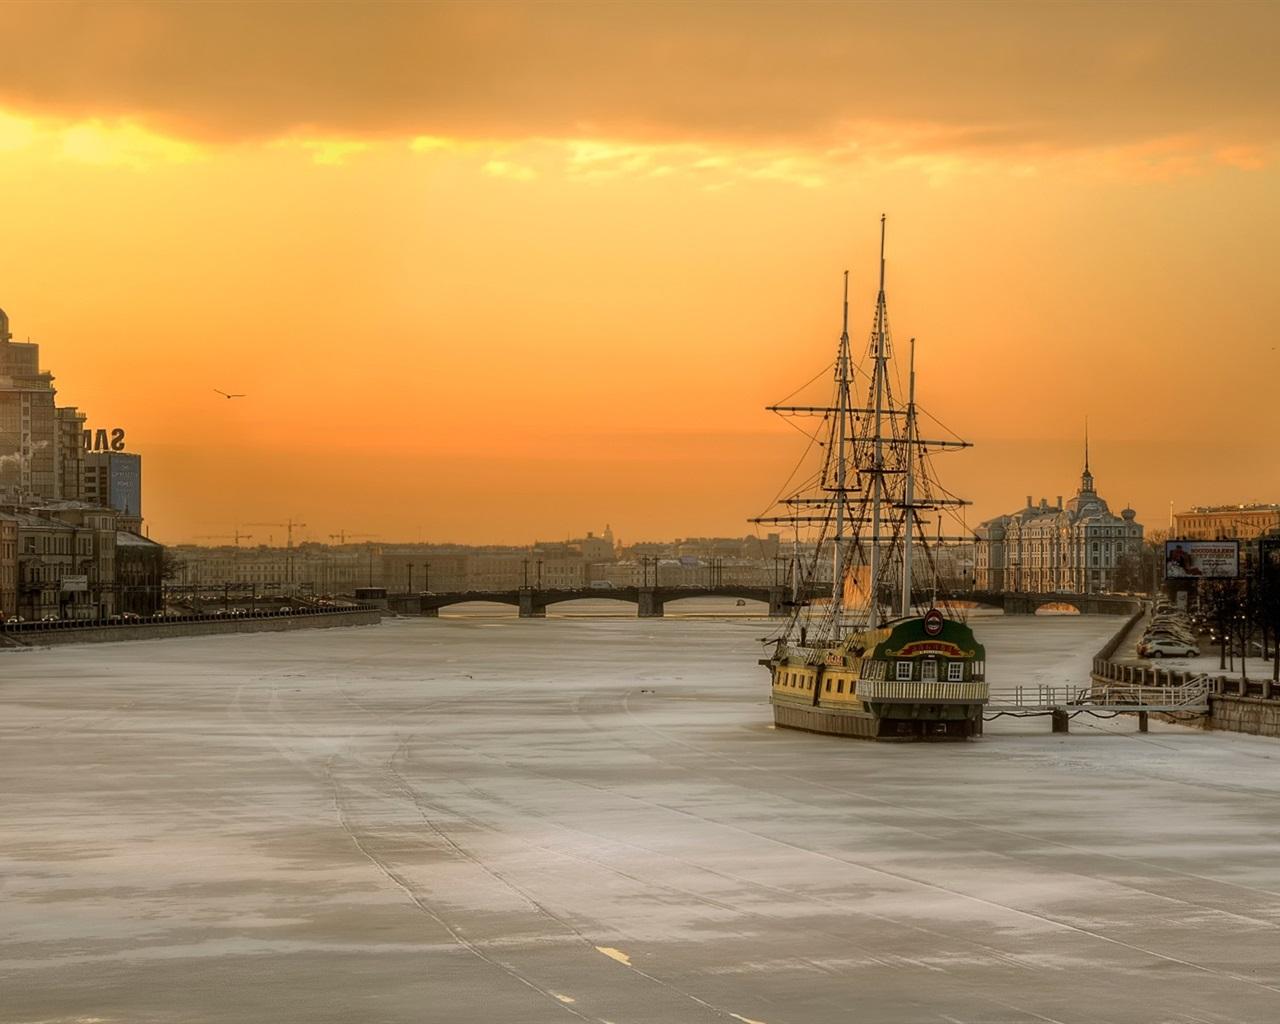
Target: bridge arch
625, 603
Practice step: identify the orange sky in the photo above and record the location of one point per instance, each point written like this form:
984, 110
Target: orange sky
495, 272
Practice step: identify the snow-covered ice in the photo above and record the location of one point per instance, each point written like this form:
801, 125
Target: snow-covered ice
483, 820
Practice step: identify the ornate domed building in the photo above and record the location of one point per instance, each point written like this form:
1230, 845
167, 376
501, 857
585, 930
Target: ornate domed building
1080, 547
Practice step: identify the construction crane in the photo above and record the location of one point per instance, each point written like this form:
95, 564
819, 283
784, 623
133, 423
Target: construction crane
237, 536
290, 525
341, 536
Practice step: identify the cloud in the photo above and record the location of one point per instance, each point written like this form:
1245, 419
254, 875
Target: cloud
104, 142
984, 78
506, 169
326, 151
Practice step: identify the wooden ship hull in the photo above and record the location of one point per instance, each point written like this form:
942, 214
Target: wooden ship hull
922, 679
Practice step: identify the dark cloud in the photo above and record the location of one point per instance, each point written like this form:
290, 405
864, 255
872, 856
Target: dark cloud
1000, 74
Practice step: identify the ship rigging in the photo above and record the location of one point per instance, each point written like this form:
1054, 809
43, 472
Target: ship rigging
867, 504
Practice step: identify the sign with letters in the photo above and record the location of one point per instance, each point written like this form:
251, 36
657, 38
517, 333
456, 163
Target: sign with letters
103, 440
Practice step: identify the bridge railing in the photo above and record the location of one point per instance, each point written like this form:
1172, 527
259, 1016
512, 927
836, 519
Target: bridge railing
1033, 696
1194, 694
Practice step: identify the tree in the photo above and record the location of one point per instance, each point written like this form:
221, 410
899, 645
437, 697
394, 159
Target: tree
1132, 574
171, 566
1151, 556
1220, 601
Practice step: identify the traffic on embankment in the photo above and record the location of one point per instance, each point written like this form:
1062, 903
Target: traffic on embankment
117, 628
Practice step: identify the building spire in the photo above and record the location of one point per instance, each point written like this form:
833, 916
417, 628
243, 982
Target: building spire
1086, 478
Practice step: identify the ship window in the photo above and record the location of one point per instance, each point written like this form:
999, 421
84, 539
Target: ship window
955, 671
904, 670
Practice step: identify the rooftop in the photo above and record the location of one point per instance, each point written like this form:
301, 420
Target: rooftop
1257, 507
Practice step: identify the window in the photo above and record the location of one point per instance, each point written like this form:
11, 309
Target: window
955, 671
839, 686
929, 671
904, 670
827, 687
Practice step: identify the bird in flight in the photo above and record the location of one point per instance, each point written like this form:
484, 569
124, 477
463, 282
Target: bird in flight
225, 395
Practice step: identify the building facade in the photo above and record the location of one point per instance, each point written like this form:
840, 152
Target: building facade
8, 566
139, 578
41, 447
1226, 522
1077, 547
66, 561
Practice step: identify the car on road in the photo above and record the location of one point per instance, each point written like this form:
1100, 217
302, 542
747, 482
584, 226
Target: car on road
1167, 647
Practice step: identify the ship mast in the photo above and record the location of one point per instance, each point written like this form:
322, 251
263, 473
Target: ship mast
877, 469
842, 431
908, 521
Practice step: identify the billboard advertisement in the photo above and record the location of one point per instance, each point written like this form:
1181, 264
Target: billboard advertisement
1201, 559
75, 584
125, 483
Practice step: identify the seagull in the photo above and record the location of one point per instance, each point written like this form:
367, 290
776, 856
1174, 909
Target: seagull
225, 395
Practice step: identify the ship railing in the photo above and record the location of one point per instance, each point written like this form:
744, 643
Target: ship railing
922, 691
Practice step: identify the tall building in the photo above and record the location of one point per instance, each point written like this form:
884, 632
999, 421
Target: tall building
41, 447
114, 480
1079, 547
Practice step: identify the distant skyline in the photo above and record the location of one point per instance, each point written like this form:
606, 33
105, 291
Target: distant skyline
493, 272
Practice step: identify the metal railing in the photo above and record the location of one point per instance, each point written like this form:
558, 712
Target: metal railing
1190, 695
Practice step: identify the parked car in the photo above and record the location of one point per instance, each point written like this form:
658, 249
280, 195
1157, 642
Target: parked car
1167, 647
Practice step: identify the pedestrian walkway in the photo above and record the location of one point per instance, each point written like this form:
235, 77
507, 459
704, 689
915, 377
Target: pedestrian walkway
1062, 703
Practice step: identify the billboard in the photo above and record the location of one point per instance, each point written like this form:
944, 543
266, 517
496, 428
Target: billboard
124, 472
75, 584
1201, 559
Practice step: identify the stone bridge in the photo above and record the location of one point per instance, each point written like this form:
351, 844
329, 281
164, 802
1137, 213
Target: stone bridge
650, 601
1016, 603
533, 603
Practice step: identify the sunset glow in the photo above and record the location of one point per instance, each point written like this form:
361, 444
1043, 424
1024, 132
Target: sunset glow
491, 271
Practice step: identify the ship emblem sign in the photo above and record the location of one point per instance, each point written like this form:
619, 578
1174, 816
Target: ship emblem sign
933, 622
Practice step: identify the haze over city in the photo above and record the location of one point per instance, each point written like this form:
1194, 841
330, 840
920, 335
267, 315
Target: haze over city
496, 272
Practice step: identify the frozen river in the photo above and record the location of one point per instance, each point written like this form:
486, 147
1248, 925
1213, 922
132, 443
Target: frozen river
502, 820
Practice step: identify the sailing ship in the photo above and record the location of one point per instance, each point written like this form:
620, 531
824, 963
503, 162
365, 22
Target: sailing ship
872, 652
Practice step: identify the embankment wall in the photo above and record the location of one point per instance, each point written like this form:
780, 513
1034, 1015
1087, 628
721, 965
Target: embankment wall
203, 627
1234, 705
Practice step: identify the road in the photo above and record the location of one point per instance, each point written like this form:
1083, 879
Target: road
473, 820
